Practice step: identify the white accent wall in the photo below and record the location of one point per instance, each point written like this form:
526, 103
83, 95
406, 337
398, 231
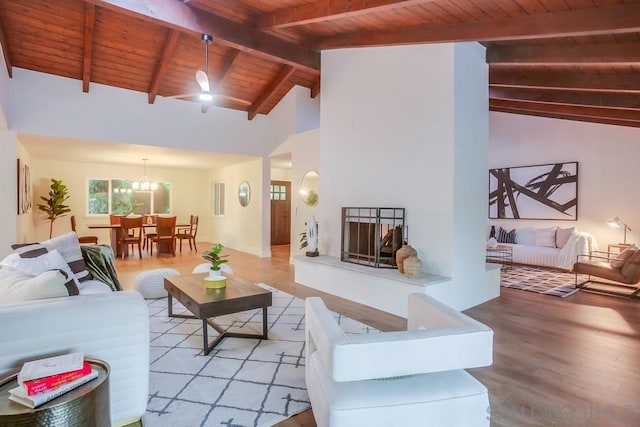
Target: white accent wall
117, 115
609, 166
396, 131
241, 226
50, 105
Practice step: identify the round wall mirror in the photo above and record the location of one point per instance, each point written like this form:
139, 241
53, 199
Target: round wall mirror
310, 188
244, 193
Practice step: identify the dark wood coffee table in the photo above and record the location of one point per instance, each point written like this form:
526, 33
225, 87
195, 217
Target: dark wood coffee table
205, 303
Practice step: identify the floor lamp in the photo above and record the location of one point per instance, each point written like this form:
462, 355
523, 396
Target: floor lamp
617, 223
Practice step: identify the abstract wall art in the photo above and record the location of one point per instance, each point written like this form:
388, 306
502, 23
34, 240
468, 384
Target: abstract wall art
24, 188
534, 192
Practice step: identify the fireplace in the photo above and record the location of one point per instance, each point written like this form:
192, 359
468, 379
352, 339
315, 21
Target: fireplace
371, 236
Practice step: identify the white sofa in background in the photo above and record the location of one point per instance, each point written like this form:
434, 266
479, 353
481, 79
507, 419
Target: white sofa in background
407, 378
554, 247
112, 326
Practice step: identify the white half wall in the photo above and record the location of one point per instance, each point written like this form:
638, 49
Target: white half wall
608, 159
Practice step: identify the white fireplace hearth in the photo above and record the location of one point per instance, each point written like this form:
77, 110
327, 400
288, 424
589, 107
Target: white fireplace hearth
384, 289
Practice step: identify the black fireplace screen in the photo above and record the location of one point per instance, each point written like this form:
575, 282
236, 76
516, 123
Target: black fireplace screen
371, 236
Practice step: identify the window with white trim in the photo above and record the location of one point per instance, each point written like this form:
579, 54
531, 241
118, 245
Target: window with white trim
217, 198
115, 196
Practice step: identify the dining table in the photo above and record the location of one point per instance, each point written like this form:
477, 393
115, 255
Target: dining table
114, 235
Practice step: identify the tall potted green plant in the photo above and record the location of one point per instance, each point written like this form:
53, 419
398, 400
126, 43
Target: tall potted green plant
54, 206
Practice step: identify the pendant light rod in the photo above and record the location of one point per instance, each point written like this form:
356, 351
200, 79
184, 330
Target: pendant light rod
207, 39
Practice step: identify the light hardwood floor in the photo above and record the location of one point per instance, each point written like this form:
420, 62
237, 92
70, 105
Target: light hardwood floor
557, 361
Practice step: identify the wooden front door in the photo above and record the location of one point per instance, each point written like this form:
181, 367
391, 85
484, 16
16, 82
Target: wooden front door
280, 212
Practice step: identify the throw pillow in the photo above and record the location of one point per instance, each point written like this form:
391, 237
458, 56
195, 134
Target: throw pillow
623, 256
38, 265
505, 236
68, 246
562, 236
526, 236
631, 269
546, 237
16, 285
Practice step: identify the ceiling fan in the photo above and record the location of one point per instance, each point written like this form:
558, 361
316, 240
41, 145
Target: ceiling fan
205, 95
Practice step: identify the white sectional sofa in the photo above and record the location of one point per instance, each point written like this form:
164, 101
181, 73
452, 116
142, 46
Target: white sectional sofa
112, 326
46, 314
554, 247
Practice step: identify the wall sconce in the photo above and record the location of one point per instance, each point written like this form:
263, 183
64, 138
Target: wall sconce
616, 222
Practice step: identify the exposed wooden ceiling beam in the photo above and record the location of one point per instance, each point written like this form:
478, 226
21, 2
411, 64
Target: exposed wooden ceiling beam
225, 70
619, 18
590, 119
595, 99
612, 53
177, 15
324, 10
5, 49
226, 67
161, 69
315, 89
89, 26
280, 80
617, 82
626, 115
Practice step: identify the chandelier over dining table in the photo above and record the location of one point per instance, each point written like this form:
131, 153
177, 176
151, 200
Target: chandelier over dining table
143, 184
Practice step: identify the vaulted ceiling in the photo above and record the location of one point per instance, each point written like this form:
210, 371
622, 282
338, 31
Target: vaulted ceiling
568, 59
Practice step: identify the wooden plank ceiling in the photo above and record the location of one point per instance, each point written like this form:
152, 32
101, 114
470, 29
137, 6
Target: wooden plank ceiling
568, 59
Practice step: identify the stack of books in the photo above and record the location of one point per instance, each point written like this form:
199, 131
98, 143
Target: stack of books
42, 380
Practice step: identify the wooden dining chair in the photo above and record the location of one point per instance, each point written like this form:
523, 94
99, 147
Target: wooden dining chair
165, 234
149, 232
91, 240
114, 219
189, 233
130, 234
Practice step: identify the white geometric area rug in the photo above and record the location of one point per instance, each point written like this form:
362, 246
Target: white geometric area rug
539, 280
242, 382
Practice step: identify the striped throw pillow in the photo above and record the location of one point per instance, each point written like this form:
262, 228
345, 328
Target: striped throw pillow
505, 236
68, 246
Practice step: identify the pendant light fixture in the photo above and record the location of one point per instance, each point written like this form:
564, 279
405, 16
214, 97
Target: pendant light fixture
143, 184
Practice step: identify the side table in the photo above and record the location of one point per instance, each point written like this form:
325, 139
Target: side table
501, 254
87, 405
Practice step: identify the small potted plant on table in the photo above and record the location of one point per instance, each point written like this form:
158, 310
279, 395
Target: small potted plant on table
215, 279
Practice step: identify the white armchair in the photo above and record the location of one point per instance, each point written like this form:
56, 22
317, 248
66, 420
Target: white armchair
406, 378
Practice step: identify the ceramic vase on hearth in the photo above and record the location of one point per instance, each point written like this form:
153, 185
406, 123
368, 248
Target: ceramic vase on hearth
412, 267
403, 253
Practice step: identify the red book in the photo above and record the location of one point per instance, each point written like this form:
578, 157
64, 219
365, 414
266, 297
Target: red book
52, 382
